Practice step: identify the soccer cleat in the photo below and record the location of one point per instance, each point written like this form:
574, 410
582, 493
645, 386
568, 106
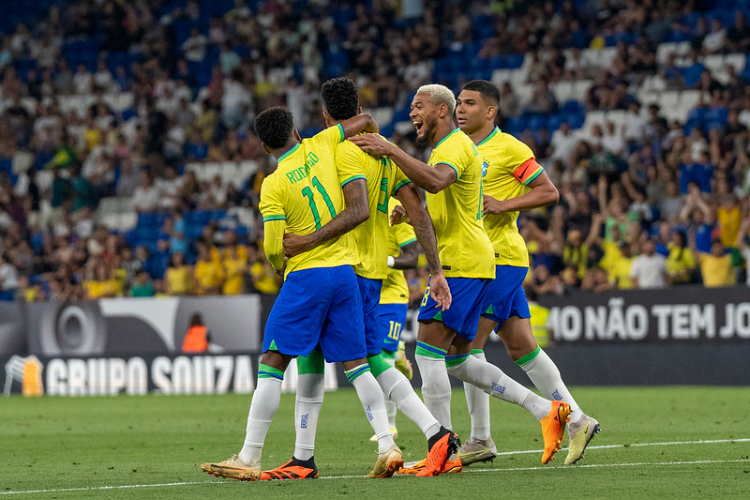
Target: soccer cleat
394, 434
452, 466
580, 434
402, 362
441, 447
476, 450
388, 463
553, 429
293, 469
232, 468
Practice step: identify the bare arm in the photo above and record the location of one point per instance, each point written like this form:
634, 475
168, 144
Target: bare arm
543, 192
362, 122
430, 179
408, 257
603, 208
703, 207
356, 212
422, 224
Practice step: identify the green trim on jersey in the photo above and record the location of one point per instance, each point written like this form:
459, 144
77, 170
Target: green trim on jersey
283, 157
449, 134
409, 242
353, 178
274, 217
400, 185
450, 165
341, 130
492, 134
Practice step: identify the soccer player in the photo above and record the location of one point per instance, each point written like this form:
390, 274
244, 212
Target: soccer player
453, 181
341, 102
394, 301
513, 181
320, 303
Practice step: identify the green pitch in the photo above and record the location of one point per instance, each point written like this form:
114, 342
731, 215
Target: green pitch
121, 447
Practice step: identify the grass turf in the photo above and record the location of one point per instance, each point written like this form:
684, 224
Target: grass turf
72, 443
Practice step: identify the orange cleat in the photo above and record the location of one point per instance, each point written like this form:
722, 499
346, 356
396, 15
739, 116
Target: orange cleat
553, 429
293, 469
442, 446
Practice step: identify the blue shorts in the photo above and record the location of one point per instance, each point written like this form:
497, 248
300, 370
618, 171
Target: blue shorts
463, 316
392, 321
505, 296
319, 306
370, 293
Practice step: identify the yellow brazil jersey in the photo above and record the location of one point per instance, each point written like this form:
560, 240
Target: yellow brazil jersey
395, 290
509, 167
234, 275
456, 211
383, 179
208, 274
305, 192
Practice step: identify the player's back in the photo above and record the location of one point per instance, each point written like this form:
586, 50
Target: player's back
395, 289
456, 211
383, 179
509, 167
304, 190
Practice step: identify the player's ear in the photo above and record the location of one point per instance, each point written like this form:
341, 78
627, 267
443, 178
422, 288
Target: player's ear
359, 110
266, 148
297, 136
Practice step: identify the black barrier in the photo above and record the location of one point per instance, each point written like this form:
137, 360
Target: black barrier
671, 315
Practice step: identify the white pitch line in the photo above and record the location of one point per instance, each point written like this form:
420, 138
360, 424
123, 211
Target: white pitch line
636, 445
514, 469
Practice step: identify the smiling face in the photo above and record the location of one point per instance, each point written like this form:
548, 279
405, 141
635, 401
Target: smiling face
425, 115
473, 111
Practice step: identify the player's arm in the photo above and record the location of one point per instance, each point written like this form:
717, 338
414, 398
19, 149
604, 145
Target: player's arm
273, 242
356, 212
543, 192
432, 180
408, 257
425, 232
362, 122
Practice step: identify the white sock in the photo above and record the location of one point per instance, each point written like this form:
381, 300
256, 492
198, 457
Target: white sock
436, 388
262, 409
546, 377
390, 406
309, 400
494, 381
373, 402
478, 402
397, 388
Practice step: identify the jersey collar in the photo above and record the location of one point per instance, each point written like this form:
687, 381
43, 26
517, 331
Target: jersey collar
444, 138
492, 134
289, 152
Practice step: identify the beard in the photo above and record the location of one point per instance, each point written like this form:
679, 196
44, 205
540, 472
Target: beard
428, 126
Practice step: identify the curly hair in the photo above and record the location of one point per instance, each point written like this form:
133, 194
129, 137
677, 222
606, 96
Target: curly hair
340, 97
274, 126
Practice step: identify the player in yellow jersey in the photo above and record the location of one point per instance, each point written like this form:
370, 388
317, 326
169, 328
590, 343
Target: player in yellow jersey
513, 181
319, 303
384, 180
453, 181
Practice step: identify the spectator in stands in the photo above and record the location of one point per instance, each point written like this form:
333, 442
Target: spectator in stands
101, 283
146, 196
716, 266
178, 277
234, 271
649, 270
8, 279
264, 277
700, 219
208, 274
680, 262
715, 41
142, 286
542, 99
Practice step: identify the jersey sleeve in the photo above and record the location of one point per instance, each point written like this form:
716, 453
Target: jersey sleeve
399, 179
349, 163
404, 234
521, 162
456, 155
270, 205
332, 136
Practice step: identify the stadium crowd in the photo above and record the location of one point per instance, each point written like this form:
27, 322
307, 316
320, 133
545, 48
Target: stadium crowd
645, 203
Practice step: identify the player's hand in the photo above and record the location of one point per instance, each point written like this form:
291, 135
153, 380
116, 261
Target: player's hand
493, 206
440, 291
399, 215
294, 244
373, 144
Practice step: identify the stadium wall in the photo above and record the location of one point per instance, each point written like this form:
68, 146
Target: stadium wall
683, 335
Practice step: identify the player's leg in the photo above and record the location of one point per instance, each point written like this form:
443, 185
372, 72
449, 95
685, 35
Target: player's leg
479, 447
522, 347
392, 320
308, 402
344, 341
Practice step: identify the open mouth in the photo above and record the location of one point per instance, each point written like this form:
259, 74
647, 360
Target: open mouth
418, 125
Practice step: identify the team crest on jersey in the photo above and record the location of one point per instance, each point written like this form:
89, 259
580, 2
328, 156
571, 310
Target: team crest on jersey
485, 165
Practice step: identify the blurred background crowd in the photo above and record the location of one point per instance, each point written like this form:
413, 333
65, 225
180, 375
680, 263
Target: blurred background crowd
128, 164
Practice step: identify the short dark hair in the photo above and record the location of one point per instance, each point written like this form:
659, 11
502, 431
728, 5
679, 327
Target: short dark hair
340, 97
274, 126
488, 90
